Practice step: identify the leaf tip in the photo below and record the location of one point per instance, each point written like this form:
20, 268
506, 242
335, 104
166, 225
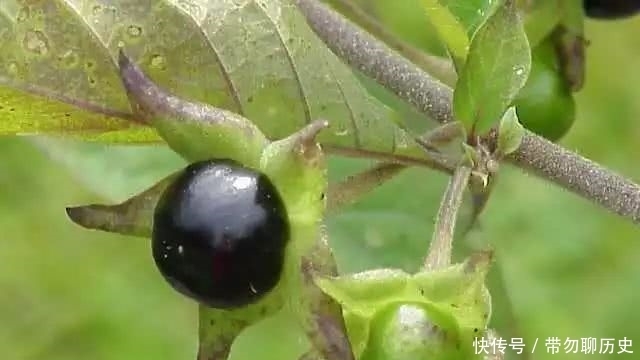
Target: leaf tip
83, 215
74, 213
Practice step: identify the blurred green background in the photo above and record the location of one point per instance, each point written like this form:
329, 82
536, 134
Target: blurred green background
572, 270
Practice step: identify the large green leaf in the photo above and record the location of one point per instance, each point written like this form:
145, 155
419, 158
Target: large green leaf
58, 69
496, 69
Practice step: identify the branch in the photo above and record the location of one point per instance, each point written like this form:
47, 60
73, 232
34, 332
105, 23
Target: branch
439, 255
543, 158
442, 68
579, 175
367, 54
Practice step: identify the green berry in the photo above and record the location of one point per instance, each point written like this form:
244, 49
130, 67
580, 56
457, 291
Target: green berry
408, 331
545, 105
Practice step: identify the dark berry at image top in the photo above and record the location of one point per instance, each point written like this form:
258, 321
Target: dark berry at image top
611, 9
219, 234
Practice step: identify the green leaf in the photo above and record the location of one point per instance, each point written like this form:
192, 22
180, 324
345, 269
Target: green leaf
510, 132
450, 30
25, 113
59, 73
497, 68
456, 21
297, 168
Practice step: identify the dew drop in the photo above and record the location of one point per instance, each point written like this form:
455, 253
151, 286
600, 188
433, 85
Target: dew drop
36, 42
518, 70
158, 62
134, 31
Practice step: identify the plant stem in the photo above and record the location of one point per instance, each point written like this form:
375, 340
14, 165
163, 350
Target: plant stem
432, 160
543, 158
440, 67
439, 255
579, 175
367, 54
353, 187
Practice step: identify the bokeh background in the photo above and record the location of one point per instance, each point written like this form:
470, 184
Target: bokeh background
570, 269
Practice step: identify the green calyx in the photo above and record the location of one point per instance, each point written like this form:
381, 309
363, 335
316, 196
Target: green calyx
388, 312
297, 168
197, 131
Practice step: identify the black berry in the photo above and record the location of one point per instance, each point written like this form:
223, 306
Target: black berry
219, 234
611, 9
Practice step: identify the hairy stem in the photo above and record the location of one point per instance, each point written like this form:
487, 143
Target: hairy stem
579, 175
543, 158
365, 53
440, 67
439, 255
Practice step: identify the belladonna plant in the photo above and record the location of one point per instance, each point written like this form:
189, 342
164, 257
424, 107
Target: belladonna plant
239, 230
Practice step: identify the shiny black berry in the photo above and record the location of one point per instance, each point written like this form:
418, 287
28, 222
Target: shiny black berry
219, 234
611, 9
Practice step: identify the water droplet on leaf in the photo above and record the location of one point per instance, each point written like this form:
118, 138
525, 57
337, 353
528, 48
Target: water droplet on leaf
519, 70
134, 31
